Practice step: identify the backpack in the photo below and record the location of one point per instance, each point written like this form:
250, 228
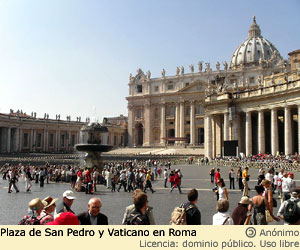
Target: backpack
133, 219
290, 213
178, 216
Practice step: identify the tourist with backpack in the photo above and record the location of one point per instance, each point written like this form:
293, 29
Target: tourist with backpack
193, 215
289, 210
137, 216
131, 208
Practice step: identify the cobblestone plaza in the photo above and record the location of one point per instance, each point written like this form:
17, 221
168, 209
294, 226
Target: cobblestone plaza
14, 205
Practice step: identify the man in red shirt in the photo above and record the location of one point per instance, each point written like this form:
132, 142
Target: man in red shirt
88, 181
217, 176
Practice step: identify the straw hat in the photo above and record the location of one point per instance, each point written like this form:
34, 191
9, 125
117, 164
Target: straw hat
245, 200
49, 201
35, 204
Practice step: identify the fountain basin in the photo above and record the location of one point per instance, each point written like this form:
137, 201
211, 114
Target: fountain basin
93, 148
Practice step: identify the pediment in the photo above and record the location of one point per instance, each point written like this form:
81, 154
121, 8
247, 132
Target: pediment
196, 87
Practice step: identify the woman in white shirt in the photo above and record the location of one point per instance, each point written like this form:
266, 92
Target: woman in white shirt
222, 190
222, 217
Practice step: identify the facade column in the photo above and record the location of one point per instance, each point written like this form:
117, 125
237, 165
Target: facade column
213, 136
218, 138
181, 123
177, 114
287, 131
130, 125
8, 141
226, 127
274, 132
208, 136
248, 134
147, 129
163, 124
298, 129
261, 132
192, 123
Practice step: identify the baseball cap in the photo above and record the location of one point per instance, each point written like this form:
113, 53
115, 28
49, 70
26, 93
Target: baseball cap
69, 195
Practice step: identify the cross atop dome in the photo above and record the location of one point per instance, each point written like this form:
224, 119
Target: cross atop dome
254, 30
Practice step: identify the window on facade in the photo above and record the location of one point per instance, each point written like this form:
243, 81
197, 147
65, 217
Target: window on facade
39, 140
115, 140
201, 135
188, 122
187, 84
170, 86
200, 110
51, 140
122, 142
139, 88
171, 123
25, 140
156, 88
73, 140
62, 140
251, 79
139, 113
172, 111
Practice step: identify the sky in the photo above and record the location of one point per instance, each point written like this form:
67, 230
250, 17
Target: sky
74, 57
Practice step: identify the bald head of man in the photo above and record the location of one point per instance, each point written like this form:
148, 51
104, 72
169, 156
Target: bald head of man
94, 206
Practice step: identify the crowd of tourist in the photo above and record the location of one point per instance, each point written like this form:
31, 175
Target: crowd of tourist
137, 177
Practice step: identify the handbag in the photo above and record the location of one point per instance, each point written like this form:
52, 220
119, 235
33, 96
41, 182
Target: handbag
268, 216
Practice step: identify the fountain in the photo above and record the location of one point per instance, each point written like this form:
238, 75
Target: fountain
92, 136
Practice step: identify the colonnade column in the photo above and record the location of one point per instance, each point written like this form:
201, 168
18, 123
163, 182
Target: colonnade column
274, 131
298, 129
162, 124
58, 140
261, 132
287, 131
181, 123
147, 120
21, 140
192, 123
17, 140
248, 134
208, 136
226, 127
8, 139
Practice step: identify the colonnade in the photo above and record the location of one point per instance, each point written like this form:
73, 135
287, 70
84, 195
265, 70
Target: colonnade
15, 139
272, 130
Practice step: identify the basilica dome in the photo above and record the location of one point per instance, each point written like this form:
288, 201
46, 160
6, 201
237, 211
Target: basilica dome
255, 50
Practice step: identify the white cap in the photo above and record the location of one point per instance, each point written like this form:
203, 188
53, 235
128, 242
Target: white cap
69, 195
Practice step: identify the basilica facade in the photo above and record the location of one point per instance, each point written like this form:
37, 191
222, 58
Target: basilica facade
253, 100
